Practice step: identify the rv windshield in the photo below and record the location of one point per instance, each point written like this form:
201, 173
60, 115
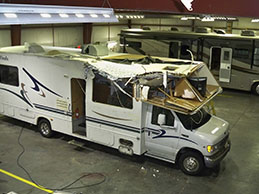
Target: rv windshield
194, 121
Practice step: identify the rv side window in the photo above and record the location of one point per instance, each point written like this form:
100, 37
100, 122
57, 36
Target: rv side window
9, 75
169, 116
104, 91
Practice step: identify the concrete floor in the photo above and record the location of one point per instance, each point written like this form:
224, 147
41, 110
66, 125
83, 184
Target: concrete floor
54, 163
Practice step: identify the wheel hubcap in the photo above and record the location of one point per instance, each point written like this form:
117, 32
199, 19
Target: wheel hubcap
257, 89
44, 128
191, 164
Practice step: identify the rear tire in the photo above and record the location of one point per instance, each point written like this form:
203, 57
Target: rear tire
191, 163
255, 88
45, 128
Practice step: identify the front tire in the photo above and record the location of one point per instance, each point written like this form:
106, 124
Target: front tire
191, 163
255, 88
45, 128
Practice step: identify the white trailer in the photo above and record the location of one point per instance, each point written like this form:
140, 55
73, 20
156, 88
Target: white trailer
136, 104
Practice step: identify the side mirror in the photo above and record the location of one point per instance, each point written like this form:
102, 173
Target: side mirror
161, 119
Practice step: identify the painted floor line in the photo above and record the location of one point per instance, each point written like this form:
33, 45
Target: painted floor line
226, 96
25, 181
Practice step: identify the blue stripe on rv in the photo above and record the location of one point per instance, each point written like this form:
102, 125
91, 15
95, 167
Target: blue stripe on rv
52, 110
112, 124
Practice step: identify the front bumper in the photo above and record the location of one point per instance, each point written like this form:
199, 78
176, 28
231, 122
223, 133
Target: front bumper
211, 161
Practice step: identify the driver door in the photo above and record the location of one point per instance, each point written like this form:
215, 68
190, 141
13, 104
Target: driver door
161, 141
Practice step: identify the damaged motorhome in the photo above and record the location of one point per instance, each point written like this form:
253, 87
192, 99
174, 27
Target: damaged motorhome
137, 104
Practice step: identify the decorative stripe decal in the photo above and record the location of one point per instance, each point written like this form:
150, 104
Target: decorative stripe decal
162, 134
37, 84
22, 97
122, 119
237, 68
52, 110
112, 124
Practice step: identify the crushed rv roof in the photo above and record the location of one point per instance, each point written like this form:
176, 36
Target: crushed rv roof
182, 85
119, 69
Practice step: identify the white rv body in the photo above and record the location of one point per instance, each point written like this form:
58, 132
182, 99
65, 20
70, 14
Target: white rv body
60, 89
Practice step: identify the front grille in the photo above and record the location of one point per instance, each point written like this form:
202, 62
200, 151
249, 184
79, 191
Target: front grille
222, 143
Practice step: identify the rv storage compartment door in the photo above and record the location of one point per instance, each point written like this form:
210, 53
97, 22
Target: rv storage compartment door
225, 65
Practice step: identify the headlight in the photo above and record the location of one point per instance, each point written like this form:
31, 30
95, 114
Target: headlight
211, 148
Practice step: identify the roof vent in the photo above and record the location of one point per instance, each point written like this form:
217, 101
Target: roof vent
219, 31
174, 29
203, 30
146, 28
248, 33
95, 50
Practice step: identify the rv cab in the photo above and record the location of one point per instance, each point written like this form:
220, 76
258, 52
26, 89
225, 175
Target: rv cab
194, 141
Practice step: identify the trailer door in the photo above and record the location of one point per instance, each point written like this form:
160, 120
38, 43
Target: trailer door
78, 106
225, 65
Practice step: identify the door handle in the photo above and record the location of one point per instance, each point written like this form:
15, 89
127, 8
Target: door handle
185, 135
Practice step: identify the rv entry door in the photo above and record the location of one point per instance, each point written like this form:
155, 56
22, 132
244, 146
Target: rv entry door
225, 65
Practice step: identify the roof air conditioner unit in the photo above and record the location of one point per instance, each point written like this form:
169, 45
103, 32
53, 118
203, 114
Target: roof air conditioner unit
248, 33
203, 30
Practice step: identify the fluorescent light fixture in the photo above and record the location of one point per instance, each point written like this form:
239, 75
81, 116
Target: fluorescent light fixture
207, 19
93, 15
255, 20
63, 15
129, 16
45, 15
10, 15
184, 18
41, 14
106, 16
79, 15
232, 19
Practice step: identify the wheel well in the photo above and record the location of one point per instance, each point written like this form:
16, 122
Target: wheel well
40, 119
253, 85
254, 82
184, 150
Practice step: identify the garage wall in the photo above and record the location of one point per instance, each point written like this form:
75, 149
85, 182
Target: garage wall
245, 23
107, 32
5, 37
53, 35
213, 25
162, 24
68, 36
40, 35
71, 35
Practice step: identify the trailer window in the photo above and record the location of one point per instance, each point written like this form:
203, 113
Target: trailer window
158, 110
105, 91
9, 75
